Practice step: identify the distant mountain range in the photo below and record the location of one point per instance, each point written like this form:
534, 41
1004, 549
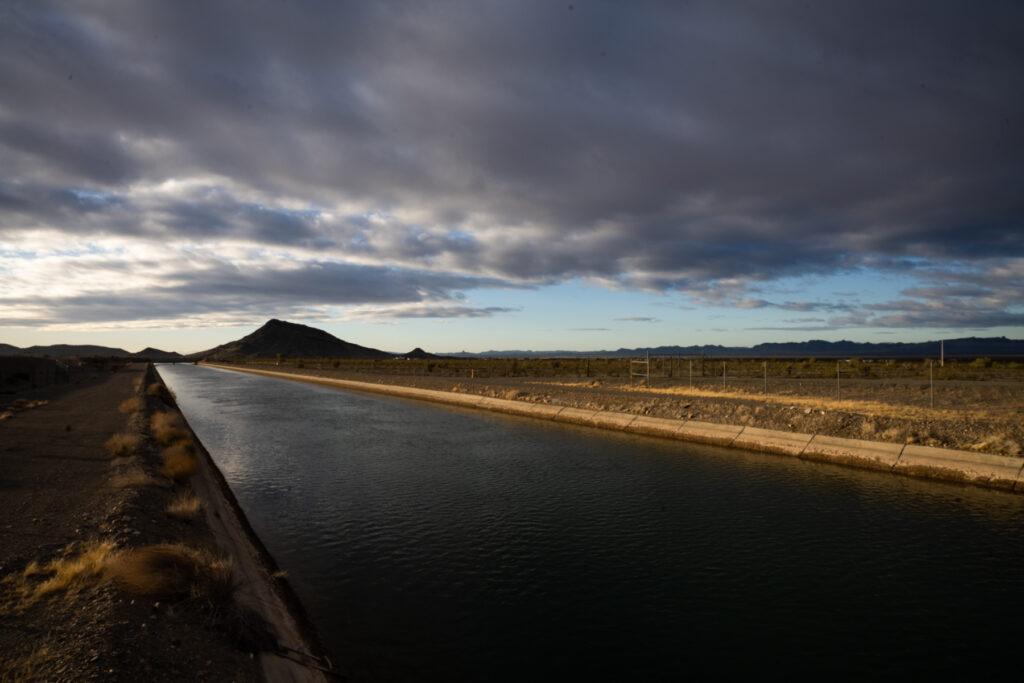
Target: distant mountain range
86, 350
292, 340
815, 348
275, 337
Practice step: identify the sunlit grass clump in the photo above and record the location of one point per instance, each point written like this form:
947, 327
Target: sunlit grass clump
120, 445
67, 574
164, 570
167, 428
131, 405
185, 506
133, 479
173, 570
179, 461
159, 390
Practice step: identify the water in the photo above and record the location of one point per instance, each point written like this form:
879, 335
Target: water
431, 543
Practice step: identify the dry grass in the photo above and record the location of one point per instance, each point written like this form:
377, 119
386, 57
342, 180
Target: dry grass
167, 428
131, 405
179, 461
998, 443
185, 507
165, 570
173, 571
68, 574
132, 479
870, 408
160, 390
120, 445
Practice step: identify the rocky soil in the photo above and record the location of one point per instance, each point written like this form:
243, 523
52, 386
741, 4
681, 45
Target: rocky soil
58, 493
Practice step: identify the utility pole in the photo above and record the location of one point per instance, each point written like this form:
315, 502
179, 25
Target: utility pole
931, 384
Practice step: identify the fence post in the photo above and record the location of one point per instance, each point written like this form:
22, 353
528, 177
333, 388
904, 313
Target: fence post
723, 373
766, 379
931, 383
837, 380
691, 373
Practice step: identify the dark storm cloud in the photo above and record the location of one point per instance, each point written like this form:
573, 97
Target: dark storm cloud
703, 147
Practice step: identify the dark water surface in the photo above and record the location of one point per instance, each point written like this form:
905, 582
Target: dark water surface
431, 543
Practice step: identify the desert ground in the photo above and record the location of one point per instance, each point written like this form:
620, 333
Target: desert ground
108, 569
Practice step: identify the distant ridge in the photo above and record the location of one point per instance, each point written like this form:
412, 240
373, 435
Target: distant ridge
150, 353
85, 351
64, 351
418, 354
289, 340
815, 348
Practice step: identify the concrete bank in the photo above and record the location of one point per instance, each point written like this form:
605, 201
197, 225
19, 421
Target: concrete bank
299, 657
979, 469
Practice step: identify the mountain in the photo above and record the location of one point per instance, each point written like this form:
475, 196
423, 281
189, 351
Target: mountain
64, 351
150, 353
968, 347
418, 354
291, 340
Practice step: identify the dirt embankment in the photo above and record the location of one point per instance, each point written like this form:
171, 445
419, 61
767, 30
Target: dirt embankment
109, 567
981, 416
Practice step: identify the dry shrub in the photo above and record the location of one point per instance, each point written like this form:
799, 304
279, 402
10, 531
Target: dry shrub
892, 434
998, 443
179, 461
173, 571
132, 479
185, 507
164, 571
131, 405
167, 428
123, 444
155, 389
68, 574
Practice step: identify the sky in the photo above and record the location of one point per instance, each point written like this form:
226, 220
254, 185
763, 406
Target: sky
511, 175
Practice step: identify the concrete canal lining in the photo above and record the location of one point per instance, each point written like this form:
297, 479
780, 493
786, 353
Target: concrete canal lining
979, 469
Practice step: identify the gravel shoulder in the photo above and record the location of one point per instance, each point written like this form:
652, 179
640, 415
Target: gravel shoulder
62, 492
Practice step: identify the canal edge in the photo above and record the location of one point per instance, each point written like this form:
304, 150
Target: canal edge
305, 658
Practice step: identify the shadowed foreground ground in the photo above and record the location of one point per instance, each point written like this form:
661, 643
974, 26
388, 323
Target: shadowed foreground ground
62, 491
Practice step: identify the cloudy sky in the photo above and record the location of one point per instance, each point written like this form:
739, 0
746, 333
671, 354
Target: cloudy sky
483, 175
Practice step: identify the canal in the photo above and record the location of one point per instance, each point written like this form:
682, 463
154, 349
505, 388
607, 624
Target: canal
434, 543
